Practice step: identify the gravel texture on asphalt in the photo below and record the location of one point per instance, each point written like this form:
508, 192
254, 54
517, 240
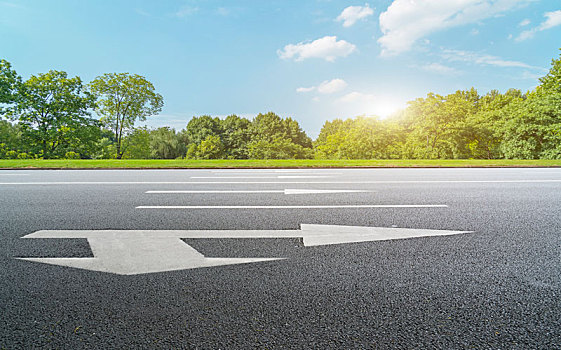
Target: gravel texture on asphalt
496, 288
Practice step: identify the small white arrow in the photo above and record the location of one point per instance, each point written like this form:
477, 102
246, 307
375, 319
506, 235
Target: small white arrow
131, 252
286, 191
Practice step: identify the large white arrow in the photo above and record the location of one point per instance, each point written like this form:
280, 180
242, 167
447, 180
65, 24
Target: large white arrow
131, 252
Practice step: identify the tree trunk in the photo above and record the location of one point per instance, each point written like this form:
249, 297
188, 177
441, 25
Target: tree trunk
119, 154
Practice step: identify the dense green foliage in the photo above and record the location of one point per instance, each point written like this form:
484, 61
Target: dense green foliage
269, 163
9, 83
462, 125
51, 116
267, 136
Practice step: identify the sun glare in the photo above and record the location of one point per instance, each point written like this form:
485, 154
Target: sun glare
386, 108
381, 107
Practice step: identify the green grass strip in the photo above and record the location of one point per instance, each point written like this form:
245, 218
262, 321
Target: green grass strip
272, 163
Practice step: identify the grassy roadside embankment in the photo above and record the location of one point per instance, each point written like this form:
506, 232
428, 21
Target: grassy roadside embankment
270, 163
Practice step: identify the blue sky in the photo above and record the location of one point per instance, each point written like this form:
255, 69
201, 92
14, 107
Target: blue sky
311, 60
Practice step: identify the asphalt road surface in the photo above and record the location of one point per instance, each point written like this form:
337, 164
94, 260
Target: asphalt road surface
495, 283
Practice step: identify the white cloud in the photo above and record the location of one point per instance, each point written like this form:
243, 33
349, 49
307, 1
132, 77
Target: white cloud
524, 23
186, 11
352, 14
356, 96
525, 35
327, 48
406, 21
305, 89
553, 19
482, 59
142, 12
326, 87
439, 69
331, 86
531, 76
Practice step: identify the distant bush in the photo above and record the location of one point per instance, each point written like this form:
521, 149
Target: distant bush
71, 155
24, 155
11, 155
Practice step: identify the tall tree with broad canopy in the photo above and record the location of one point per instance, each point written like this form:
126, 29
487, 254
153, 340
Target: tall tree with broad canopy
123, 99
9, 84
52, 111
165, 144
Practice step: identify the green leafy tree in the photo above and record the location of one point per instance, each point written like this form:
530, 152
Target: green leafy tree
52, 111
273, 137
236, 135
209, 148
123, 99
165, 144
137, 144
437, 125
10, 82
360, 138
199, 128
485, 129
11, 136
270, 127
280, 148
105, 149
533, 127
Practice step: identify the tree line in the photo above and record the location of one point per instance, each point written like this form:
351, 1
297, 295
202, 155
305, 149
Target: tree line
53, 116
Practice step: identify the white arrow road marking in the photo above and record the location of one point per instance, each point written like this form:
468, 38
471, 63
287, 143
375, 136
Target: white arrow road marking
291, 206
131, 252
286, 191
141, 254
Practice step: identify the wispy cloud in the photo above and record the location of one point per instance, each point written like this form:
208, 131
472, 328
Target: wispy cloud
332, 86
553, 19
142, 12
11, 4
483, 59
526, 75
405, 21
439, 69
356, 96
185, 11
352, 14
305, 89
327, 48
326, 87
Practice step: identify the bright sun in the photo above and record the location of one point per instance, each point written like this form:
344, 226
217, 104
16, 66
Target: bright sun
384, 109
381, 107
